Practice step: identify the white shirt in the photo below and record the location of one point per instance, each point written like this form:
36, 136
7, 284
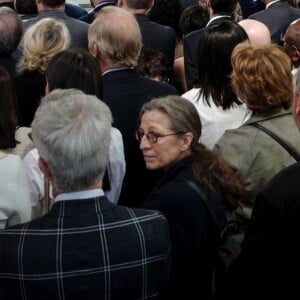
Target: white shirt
214, 119
116, 172
14, 195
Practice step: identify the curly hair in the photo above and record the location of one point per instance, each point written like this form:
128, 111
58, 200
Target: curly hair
261, 76
41, 42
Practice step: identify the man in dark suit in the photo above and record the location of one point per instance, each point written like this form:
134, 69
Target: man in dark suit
115, 41
85, 247
97, 6
56, 9
11, 31
155, 36
277, 16
218, 11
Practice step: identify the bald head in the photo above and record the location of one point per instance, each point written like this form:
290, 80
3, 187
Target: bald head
257, 32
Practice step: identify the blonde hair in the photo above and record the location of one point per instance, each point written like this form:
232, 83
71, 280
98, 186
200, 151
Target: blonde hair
262, 76
41, 42
117, 36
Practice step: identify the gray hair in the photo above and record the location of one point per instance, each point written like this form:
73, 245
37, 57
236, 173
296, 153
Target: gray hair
71, 131
117, 36
11, 30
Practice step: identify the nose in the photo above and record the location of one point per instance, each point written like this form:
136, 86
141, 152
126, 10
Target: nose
144, 143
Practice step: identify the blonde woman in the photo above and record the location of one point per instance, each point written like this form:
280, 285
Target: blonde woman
40, 43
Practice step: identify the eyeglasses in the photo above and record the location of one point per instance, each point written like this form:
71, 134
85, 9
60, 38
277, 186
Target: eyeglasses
152, 137
284, 41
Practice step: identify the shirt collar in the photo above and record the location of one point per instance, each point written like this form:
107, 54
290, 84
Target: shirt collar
271, 3
85, 194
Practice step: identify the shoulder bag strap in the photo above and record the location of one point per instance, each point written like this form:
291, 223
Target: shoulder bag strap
291, 151
196, 188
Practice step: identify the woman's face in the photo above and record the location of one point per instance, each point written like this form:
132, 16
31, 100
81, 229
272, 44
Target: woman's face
169, 146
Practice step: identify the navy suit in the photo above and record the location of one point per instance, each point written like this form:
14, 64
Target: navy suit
190, 49
125, 91
90, 16
86, 249
277, 17
158, 37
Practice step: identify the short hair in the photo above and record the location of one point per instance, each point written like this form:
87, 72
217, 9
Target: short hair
11, 30
208, 167
75, 69
54, 3
138, 4
261, 76
192, 18
8, 111
117, 36
71, 131
223, 6
26, 7
153, 64
214, 66
258, 33
41, 42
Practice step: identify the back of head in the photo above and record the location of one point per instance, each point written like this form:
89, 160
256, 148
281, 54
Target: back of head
11, 30
214, 65
138, 4
26, 7
153, 64
223, 7
71, 131
115, 35
74, 69
261, 76
8, 110
53, 3
258, 33
41, 42
192, 18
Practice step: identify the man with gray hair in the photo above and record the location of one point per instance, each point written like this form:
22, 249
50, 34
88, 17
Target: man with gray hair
85, 247
115, 41
11, 31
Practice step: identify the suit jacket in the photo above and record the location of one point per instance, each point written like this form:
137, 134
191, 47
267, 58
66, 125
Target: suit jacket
190, 49
270, 251
90, 16
158, 37
277, 18
78, 30
86, 249
125, 91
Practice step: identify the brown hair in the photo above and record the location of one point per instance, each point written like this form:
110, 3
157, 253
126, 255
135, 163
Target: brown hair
261, 76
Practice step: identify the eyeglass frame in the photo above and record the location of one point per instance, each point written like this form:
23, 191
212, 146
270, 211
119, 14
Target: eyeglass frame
139, 136
283, 41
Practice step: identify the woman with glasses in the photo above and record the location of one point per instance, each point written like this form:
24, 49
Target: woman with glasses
168, 132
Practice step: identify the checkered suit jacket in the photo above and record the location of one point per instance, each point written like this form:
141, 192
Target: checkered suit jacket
86, 249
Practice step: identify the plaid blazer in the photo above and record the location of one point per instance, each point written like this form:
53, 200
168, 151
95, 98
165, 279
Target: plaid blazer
86, 249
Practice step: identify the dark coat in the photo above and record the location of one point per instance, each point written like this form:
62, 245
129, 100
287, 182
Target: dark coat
86, 249
125, 91
193, 232
277, 18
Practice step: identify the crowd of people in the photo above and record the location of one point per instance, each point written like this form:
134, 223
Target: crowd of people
109, 116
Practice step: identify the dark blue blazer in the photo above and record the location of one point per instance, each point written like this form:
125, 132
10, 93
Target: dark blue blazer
277, 18
86, 249
90, 16
125, 91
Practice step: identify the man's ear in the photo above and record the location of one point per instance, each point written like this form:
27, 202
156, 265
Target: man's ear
120, 3
44, 168
93, 49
